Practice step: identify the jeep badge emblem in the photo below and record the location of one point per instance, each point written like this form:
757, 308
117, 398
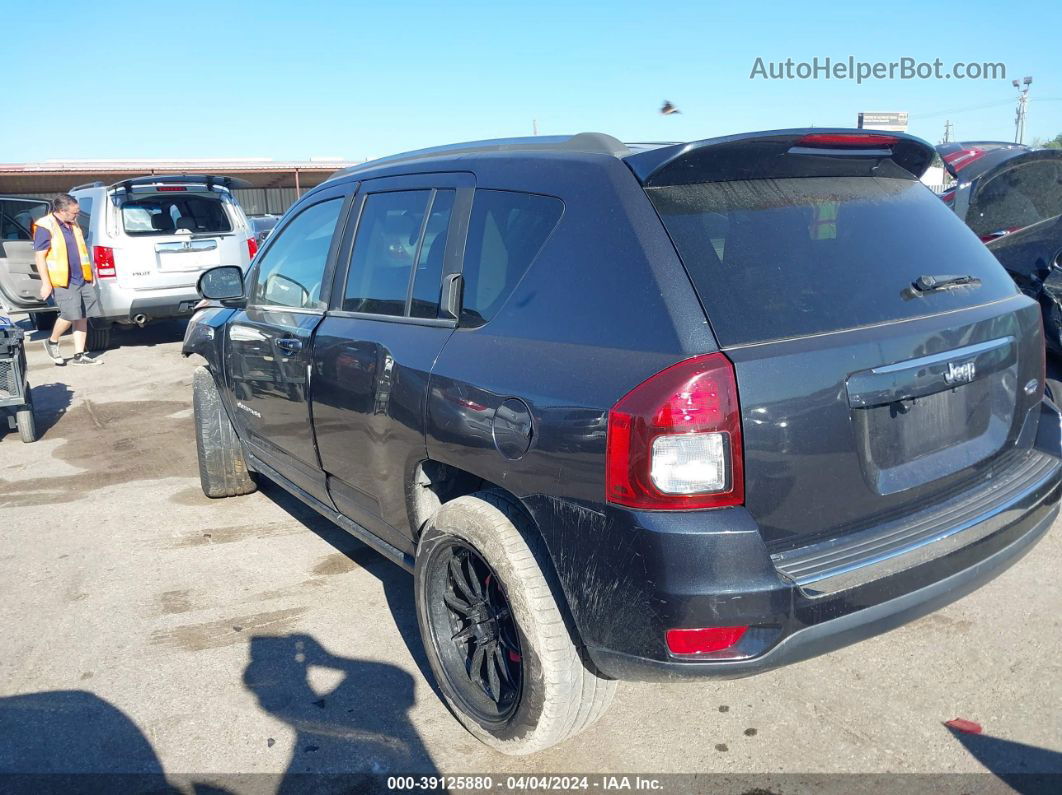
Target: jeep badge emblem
959, 374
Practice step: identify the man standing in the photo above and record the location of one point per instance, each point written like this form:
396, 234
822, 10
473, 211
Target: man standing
66, 271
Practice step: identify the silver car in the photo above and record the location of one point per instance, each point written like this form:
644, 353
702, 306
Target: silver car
149, 237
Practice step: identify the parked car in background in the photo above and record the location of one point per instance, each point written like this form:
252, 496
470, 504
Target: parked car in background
648, 412
262, 225
150, 238
1011, 197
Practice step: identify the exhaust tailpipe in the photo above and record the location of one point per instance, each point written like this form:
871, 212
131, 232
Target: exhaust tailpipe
140, 319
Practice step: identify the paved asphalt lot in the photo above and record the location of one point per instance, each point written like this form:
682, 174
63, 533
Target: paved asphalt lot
147, 628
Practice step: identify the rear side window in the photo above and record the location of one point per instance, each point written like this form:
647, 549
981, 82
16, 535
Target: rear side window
506, 232
291, 270
385, 250
1019, 197
781, 258
169, 213
84, 214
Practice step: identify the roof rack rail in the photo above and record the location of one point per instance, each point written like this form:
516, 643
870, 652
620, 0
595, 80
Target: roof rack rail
588, 142
96, 184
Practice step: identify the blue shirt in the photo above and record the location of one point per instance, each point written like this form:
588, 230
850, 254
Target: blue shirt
42, 241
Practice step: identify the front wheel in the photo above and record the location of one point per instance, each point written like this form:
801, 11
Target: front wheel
494, 634
222, 467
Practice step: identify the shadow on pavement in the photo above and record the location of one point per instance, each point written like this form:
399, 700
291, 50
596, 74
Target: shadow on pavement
74, 741
1028, 769
397, 583
350, 734
50, 402
158, 333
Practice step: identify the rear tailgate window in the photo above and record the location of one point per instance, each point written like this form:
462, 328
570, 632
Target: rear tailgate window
171, 212
779, 258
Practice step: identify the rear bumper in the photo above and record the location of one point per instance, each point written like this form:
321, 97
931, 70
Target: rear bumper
835, 633
122, 305
630, 576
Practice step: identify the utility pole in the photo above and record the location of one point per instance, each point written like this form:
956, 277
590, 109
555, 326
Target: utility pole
947, 132
1022, 109
534, 126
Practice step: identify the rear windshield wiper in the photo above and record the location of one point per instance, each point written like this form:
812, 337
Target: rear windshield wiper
928, 284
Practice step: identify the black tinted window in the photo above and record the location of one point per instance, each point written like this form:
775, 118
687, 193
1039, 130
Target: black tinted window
168, 213
291, 270
1019, 197
384, 252
505, 233
428, 277
791, 257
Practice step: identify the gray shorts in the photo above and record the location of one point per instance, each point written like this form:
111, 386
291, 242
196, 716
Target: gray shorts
77, 303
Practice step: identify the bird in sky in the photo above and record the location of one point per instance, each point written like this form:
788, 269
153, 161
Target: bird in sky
668, 109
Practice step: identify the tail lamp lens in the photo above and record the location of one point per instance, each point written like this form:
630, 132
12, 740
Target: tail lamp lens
103, 258
252, 246
674, 441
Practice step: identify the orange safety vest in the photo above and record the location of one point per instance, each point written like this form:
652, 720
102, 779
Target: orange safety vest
56, 258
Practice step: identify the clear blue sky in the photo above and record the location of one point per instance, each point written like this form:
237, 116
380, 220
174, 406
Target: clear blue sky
298, 79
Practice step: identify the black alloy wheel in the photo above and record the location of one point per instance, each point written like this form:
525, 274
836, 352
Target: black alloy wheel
474, 632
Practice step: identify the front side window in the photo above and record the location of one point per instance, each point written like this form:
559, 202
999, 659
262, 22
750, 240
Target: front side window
291, 270
17, 218
385, 251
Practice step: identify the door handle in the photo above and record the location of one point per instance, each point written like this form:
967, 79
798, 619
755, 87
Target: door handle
289, 344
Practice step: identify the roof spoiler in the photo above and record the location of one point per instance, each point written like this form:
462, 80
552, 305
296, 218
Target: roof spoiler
777, 154
210, 180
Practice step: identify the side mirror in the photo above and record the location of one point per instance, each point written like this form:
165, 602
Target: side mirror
221, 283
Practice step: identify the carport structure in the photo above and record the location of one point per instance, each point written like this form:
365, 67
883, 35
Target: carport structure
274, 185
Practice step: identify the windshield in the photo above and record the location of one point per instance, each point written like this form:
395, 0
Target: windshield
171, 212
772, 259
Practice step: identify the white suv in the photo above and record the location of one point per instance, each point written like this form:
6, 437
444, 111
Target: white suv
150, 237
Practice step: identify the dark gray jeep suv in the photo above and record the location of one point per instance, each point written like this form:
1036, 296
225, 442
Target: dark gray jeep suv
641, 412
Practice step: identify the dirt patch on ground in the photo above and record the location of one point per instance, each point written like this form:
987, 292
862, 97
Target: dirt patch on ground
337, 563
227, 535
114, 443
215, 634
175, 602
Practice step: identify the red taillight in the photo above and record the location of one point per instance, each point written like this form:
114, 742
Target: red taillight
703, 641
252, 246
847, 140
169, 188
103, 257
674, 441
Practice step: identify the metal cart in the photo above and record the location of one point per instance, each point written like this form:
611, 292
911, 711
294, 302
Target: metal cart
16, 402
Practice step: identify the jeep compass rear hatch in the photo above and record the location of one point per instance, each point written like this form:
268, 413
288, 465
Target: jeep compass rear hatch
885, 362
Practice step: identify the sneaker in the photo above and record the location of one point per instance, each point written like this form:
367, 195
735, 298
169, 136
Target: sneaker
52, 349
84, 359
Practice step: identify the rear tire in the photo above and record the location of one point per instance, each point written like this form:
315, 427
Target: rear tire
99, 335
222, 467
27, 424
551, 692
